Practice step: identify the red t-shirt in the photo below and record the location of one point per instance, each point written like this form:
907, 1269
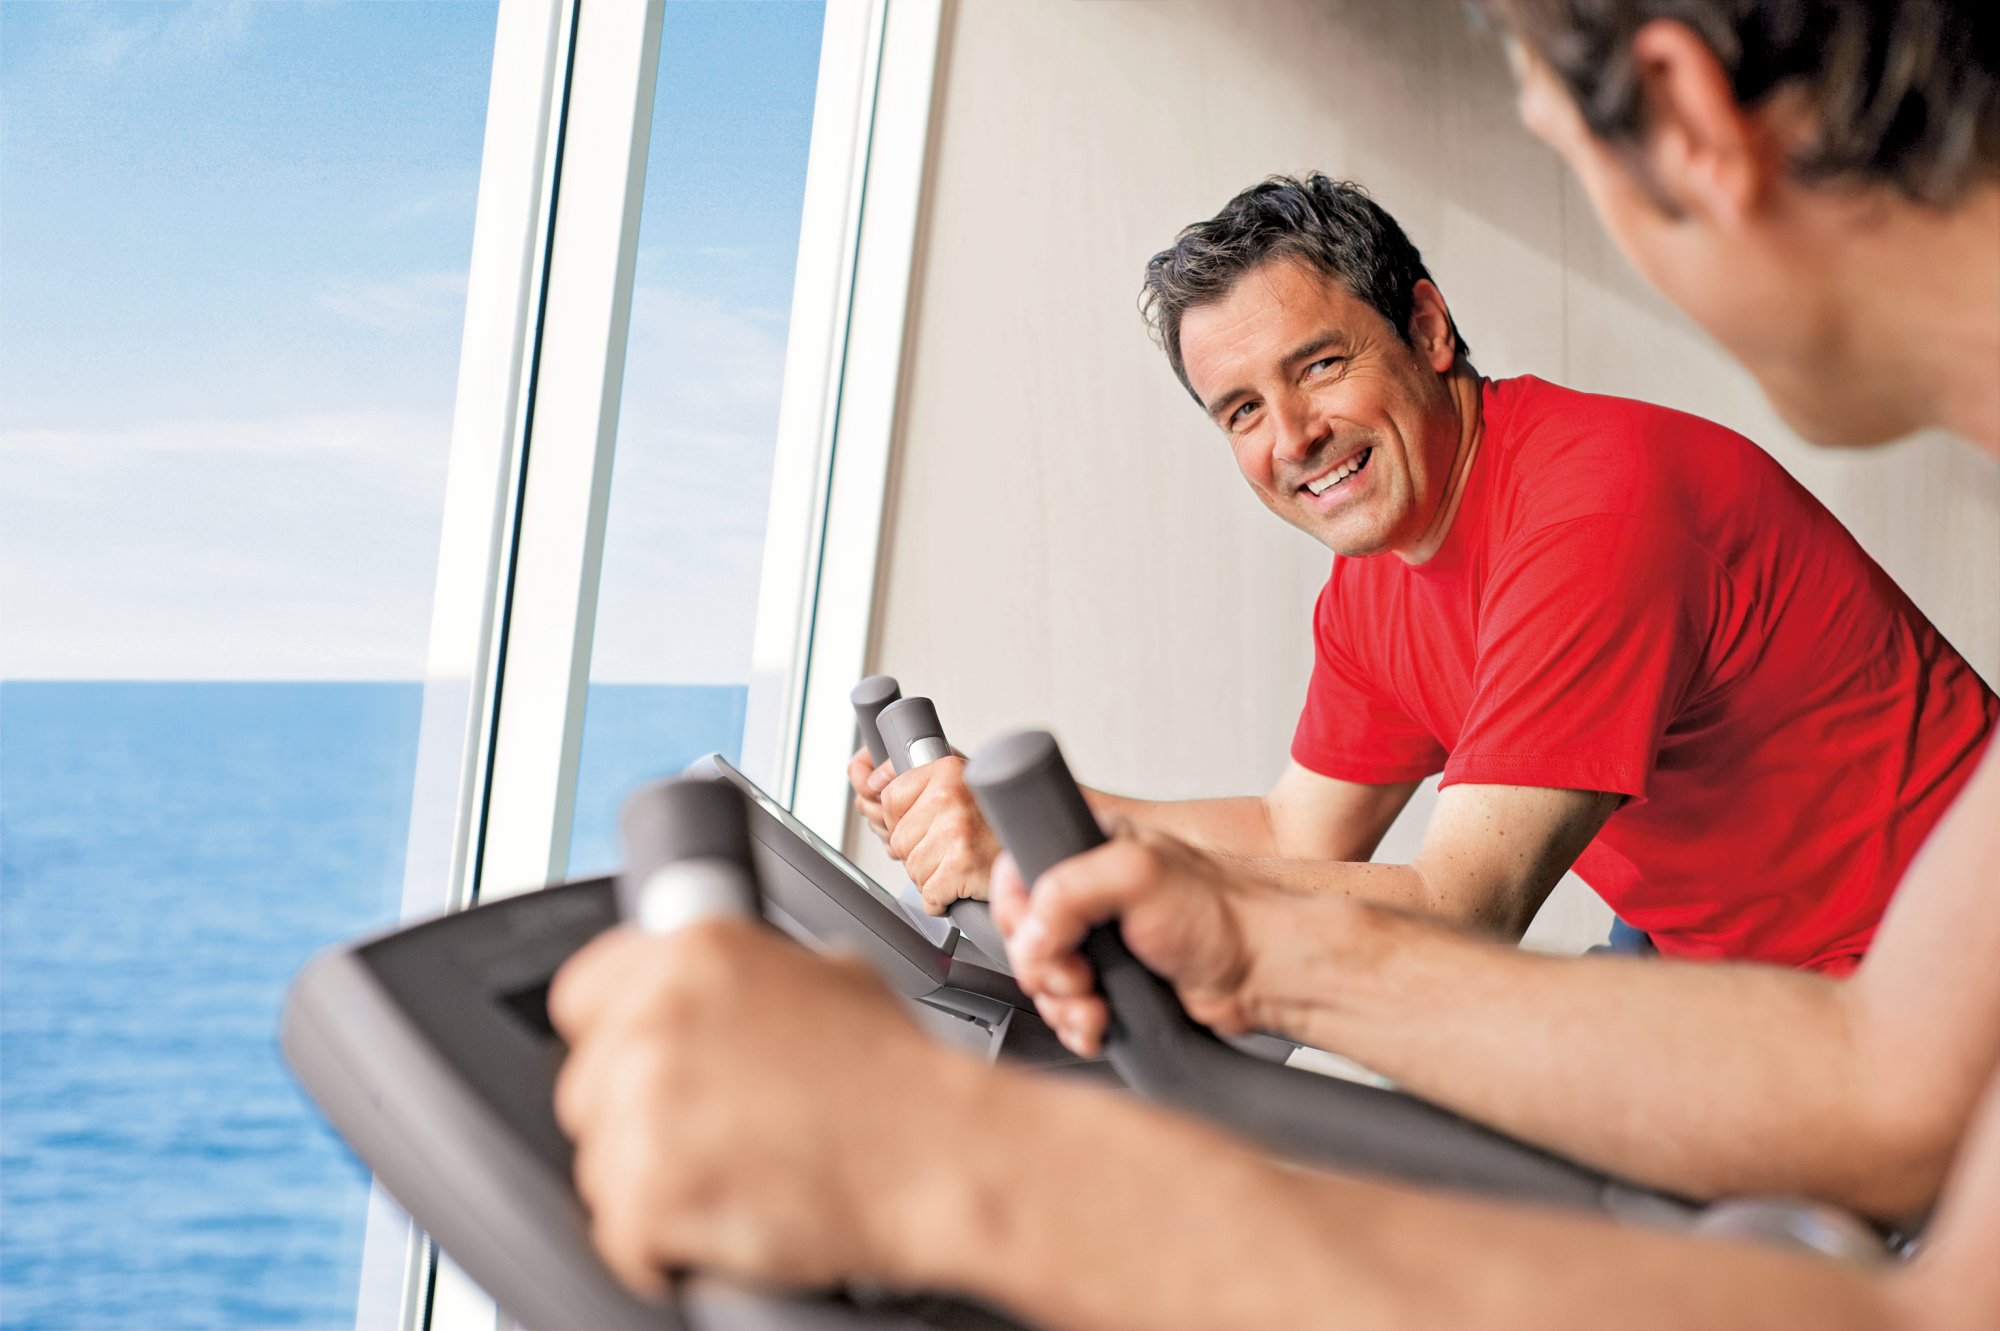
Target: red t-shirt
1636, 600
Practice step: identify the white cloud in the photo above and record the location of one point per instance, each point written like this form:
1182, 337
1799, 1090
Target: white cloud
406, 302
115, 38
295, 548
455, 200
305, 547
684, 546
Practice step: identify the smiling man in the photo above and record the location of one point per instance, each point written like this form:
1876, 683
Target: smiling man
1883, 231
1628, 640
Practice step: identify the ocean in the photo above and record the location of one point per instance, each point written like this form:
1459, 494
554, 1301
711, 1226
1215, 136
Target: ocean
170, 854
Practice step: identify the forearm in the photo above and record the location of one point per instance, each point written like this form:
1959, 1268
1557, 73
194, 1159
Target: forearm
1237, 825
1403, 887
1707, 1079
1089, 1211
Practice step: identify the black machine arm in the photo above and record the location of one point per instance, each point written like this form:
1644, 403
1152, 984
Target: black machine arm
1026, 791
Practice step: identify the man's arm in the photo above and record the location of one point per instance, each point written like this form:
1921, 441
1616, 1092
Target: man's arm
1079, 1209
1233, 933
1711, 1079
1089, 1217
930, 822
1305, 817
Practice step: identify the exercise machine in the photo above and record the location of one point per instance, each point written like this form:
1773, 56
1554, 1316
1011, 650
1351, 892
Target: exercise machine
430, 1049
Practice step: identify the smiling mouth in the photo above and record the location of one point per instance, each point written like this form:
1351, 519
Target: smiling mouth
1352, 467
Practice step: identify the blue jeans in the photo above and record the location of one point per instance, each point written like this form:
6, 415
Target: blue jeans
1627, 941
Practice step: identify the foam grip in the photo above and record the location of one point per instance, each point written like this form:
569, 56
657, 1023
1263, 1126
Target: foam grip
1035, 807
1031, 801
912, 733
687, 854
869, 697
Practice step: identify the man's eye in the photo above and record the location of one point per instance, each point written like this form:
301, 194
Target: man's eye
1242, 413
1324, 363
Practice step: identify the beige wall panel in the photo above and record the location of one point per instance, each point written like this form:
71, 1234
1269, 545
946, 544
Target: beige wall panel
1067, 541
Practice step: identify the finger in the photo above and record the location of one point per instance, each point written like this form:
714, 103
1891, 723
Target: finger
617, 1178
881, 777
579, 1093
901, 795
1078, 1022
904, 837
1084, 891
619, 1230
1089, 1020
971, 877
859, 768
1067, 976
923, 863
1062, 976
1008, 894
594, 978
944, 887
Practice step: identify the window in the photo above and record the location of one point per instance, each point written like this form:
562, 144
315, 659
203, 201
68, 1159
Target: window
704, 364
233, 303
230, 301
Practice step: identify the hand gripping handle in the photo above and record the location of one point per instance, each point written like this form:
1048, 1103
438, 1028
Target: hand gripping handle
913, 736
687, 855
1026, 791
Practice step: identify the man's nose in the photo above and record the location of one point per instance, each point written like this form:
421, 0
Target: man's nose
1296, 432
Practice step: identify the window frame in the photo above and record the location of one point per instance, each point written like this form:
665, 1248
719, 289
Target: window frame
534, 432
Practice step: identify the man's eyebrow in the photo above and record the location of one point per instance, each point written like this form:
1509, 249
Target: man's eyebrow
1217, 408
1333, 338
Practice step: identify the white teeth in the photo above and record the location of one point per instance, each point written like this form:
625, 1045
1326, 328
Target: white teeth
1336, 476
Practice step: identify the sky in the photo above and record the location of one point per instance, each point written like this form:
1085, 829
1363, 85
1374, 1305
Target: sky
233, 250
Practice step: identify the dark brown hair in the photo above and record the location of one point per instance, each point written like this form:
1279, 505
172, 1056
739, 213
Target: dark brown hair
1332, 226
1904, 93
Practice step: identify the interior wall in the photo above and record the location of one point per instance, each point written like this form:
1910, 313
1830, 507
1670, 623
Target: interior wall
1067, 541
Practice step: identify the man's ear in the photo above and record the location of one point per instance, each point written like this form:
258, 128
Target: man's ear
1430, 326
1702, 152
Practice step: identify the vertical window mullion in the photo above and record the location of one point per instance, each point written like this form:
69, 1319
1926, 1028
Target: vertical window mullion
572, 435
501, 312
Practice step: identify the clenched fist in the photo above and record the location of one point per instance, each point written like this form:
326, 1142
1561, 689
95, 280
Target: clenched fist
742, 1105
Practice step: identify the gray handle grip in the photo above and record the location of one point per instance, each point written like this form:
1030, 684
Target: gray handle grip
687, 855
869, 697
1026, 791
912, 733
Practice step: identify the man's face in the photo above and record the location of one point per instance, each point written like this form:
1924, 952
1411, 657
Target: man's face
1740, 255
1343, 429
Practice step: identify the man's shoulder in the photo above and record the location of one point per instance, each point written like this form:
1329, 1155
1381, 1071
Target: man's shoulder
1562, 455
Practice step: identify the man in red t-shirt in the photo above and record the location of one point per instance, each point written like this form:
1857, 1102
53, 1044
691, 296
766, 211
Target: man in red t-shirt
1627, 638
1636, 601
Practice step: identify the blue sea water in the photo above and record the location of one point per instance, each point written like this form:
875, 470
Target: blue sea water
632, 733
169, 855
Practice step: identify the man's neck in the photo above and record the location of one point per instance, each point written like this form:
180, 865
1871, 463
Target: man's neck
1465, 387
1925, 283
